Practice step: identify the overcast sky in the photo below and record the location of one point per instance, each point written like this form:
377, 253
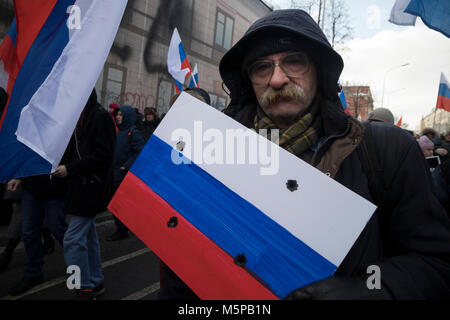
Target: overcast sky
379, 47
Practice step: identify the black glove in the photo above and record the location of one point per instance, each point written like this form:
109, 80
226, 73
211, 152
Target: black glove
340, 288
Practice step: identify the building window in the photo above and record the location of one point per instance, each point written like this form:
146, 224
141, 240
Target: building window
218, 102
224, 30
166, 90
113, 84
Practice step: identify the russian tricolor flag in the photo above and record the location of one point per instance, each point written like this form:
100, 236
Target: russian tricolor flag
344, 101
9, 63
194, 78
177, 61
231, 230
60, 49
443, 101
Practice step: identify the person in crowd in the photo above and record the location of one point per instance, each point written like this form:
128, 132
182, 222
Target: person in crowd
14, 233
151, 121
430, 133
283, 74
44, 197
381, 115
426, 145
111, 108
139, 122
112, 111
129, 143
88, 166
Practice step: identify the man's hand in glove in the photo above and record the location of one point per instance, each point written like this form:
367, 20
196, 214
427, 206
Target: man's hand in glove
339, 288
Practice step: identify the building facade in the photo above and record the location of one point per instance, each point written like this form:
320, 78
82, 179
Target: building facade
359, 101
135, 72
439, 120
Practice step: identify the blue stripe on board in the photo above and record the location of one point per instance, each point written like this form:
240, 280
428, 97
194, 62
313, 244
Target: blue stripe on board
273, 254
444, 91
15, 157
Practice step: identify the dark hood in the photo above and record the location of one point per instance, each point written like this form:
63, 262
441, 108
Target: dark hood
276, 24
129, 118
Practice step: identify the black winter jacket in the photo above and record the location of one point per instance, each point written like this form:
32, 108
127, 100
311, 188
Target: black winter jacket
409, 235
90, 168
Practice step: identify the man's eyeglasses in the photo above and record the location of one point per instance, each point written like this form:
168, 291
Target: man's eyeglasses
294, 65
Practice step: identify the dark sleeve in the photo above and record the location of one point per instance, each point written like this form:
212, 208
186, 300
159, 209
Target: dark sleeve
102, 156
417, 242
137, 144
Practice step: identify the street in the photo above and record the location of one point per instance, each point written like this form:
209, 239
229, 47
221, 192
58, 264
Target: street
131, 270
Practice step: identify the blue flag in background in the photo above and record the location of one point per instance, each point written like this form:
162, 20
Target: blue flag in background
434, 13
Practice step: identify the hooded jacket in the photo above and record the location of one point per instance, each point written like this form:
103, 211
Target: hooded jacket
129, 143
89, 161
408, 237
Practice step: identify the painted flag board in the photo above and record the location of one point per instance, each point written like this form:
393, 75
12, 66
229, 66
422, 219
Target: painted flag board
230, 228
194, 78
60, 55
177, 61
443, 101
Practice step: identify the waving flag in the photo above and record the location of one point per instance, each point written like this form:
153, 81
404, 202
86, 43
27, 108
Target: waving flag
177, 61
194, 78
225, 229
9, 64
399, 16
443, 101
61, 47
399, 123
344, 101
434, 13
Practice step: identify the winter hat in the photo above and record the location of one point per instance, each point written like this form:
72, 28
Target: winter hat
114, 106
202, 93
425, 143
382, 114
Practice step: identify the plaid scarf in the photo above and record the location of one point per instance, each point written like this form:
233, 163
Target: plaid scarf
300, 136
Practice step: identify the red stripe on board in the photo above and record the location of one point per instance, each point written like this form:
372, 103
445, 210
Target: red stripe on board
204, 267
443, 103
30, 16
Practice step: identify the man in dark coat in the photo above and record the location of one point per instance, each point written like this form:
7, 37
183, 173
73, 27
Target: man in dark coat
284, 72
89, 169
129, 143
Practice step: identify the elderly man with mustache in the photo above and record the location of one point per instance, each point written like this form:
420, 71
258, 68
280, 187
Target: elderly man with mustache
283, 75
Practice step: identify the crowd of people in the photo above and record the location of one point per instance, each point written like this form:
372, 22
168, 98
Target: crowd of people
282, 74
